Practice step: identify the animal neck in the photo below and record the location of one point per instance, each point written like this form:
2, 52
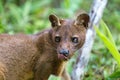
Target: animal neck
41, 39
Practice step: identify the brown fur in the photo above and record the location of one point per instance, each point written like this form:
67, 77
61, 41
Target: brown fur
35, 57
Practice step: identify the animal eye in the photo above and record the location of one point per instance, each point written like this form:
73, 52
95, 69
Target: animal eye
75, 40
57, 39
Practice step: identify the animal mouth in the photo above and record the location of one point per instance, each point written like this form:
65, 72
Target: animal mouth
63, 56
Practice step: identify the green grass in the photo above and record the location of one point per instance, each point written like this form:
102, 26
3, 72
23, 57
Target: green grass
108, 41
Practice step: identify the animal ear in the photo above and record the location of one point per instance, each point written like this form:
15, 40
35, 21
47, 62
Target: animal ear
54, 20
82, 19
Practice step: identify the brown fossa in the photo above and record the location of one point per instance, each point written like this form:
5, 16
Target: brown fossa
37, 56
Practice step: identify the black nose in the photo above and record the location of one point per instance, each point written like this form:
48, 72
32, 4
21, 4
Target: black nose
64, 52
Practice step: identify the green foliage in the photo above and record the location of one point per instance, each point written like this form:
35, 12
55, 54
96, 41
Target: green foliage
23, 18
112, 13
115, 75
31, 16
110, 44
71, 6
52, 77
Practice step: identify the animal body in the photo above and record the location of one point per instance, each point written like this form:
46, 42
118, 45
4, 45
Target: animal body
37, 56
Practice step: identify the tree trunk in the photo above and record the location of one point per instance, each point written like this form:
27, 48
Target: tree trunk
84, 53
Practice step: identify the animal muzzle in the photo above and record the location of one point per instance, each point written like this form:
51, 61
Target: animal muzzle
64, 52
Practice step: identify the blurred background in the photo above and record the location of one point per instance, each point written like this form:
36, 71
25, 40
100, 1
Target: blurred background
31, 16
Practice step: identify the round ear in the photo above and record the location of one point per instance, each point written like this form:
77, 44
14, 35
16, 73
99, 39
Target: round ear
82, 19
54, 20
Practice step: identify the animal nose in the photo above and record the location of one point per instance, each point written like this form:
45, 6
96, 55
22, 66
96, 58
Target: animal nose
64, 52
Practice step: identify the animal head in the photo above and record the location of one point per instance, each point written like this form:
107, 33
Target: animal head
68, 35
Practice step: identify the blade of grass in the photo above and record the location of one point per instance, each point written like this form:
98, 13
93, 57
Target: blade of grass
109, 43
107, 31
26, 9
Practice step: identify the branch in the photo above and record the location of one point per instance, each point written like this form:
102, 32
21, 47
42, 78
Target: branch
84, 53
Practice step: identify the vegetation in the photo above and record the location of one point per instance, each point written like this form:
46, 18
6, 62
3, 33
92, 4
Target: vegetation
28, 16
110, 44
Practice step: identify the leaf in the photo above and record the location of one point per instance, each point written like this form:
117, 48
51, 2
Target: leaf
1, 7
109, 43
107, 31
115, 75
52, 77
15, 12
26, 8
